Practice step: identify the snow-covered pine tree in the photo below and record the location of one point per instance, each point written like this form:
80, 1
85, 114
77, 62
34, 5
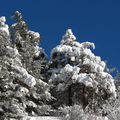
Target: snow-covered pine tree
34, 58
22, 91
77, 75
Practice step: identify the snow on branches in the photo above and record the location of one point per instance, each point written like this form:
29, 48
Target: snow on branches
76, 63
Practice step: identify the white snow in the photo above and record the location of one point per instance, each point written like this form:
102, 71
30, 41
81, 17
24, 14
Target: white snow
3, 26
2, 20
89, 80
21, 72
24, 76
37, 50
36, 35
81, 54
41, 118
75, 53
68, 36
88, 44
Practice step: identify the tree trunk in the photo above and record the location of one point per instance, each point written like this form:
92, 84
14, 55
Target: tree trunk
69, 96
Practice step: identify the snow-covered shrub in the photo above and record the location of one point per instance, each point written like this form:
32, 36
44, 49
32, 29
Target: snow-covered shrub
76, 112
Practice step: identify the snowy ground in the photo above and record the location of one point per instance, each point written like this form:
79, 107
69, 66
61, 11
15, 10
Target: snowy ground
40, 118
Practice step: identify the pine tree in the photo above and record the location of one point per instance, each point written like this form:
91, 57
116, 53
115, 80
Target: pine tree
77, 75
34, 58
22, 89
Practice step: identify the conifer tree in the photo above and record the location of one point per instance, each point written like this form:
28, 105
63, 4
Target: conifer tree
34, 58
22, 89
77, 75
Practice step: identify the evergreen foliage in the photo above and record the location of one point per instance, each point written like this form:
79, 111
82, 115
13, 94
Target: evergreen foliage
32, 85
22, 63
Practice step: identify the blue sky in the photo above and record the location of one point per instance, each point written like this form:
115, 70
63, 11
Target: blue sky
96, 21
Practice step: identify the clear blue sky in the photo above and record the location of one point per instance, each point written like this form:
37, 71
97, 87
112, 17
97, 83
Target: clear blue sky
97, 21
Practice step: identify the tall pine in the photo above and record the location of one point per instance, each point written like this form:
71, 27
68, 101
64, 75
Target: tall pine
22, 62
